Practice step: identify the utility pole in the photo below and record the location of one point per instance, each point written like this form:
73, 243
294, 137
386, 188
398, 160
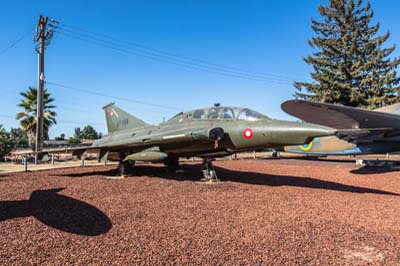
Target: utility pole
43, 37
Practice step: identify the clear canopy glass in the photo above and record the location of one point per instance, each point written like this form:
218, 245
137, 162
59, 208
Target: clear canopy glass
222, 113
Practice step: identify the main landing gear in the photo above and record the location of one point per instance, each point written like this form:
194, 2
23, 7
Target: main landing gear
209, 174
124, 167
172, 165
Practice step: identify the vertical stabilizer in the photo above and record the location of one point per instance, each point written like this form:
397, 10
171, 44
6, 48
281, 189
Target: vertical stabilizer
117, 119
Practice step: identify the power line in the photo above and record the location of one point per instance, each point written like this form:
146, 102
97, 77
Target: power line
150, 53
61, 121
81, 122
169, 61
14, 43
7, 116
209, 67
81, 109
144, 47
111, 96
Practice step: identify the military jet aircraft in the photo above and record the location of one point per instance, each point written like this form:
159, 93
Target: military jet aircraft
207, 133
359, 131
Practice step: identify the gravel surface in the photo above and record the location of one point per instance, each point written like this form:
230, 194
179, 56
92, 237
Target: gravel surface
264, 212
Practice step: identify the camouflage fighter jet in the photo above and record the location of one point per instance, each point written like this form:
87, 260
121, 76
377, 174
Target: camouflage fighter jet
207, 133
359, 131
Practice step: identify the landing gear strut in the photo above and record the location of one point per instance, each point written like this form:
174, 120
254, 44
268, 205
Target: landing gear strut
124, 167
209, 173
172, 164
276, 154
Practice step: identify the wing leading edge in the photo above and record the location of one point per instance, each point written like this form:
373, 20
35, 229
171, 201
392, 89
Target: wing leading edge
352, 123
340, 117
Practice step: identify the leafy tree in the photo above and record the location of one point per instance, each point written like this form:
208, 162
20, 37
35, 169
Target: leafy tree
28, 117
73, 140
89, 132
77, 137
7, 143
350, 67
20, 136
61, 137
78, 133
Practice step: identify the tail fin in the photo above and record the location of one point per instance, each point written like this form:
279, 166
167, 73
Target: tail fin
393, 109
117, 119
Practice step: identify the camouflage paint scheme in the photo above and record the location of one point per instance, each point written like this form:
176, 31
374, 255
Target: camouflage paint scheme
333, 145
222, 131
369, 132
207, 133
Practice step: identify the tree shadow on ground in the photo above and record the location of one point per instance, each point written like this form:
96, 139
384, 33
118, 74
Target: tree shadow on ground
58, 211
193, 173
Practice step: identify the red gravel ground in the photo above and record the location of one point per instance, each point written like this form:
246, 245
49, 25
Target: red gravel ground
265, 212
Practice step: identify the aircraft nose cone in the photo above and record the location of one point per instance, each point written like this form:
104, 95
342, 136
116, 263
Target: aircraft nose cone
316, 130
297, 133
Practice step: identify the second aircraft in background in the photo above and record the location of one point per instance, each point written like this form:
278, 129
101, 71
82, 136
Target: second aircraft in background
359, 131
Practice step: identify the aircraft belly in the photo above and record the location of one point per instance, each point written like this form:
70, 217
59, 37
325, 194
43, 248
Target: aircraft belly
326, 145
335, 146
379, 147
187, 148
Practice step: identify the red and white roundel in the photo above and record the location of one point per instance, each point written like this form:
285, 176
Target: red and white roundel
248, 133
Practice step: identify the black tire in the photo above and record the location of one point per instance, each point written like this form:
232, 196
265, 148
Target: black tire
124, 167
173, 165
275, 155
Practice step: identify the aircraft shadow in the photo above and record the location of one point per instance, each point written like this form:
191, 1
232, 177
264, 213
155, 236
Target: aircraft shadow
58, 211
305, 182
367, 170
193, 173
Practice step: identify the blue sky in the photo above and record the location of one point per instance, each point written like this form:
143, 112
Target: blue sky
258, 36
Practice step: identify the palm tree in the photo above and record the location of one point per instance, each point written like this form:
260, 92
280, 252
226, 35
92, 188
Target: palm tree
28, 117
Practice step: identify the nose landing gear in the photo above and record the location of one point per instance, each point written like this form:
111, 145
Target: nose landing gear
124, 167
209, 174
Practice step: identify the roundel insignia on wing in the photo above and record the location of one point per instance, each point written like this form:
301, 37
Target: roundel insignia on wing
306, 147
248, 133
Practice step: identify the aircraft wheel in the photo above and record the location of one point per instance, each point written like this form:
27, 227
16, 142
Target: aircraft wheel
172, 165
275, 154
209, 173
123, 167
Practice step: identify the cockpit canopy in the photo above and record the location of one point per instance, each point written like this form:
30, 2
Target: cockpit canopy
221, 113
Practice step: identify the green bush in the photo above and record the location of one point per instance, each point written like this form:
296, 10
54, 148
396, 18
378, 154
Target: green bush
7, 142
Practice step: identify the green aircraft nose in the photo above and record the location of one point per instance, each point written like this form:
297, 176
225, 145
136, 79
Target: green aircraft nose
296, 132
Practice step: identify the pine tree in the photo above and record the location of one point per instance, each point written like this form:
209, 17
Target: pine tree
350, 66
89, 132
